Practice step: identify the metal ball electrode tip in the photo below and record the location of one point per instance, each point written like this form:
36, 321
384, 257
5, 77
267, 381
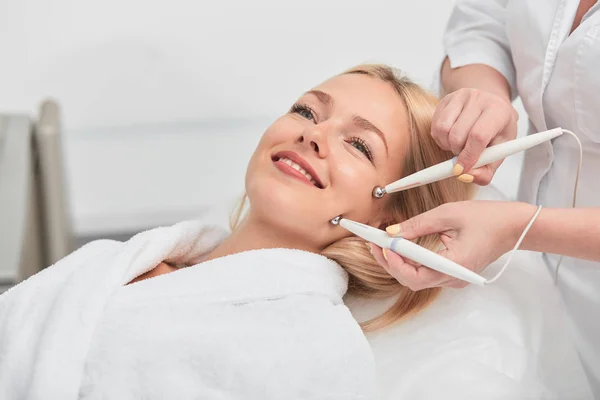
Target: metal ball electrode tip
378, 192
336, 220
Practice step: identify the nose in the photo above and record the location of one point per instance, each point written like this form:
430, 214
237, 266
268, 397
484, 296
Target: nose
316, 138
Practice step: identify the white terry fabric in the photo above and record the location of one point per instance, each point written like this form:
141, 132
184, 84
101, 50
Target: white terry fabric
265, 324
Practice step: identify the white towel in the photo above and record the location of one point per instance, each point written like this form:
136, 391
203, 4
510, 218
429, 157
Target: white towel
265, 324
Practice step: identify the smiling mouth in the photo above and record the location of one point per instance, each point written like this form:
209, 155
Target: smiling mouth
293, 168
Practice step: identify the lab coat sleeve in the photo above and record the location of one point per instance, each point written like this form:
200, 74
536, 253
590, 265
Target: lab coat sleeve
476, 34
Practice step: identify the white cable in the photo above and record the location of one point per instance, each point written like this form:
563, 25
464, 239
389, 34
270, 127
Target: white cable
574, 193
514, 250
539, 209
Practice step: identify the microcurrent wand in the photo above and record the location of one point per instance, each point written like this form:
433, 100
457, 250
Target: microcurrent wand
410, 250
436, 173
443, 170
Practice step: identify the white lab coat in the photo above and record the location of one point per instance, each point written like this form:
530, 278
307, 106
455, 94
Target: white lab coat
557, 76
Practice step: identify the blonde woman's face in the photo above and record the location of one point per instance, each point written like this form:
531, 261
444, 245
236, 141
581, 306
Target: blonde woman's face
323, 158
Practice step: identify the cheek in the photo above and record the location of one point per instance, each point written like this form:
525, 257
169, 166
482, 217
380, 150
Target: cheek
353, 191
281, 200
284, 129
259, 160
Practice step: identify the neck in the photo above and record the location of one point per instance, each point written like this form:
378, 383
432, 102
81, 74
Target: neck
254, 234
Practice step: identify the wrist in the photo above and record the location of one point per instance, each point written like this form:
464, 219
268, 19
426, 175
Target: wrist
520, 215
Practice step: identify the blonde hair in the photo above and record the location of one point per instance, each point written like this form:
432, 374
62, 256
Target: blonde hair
367, 278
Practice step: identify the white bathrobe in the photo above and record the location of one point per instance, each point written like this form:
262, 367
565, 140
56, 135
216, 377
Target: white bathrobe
264, 324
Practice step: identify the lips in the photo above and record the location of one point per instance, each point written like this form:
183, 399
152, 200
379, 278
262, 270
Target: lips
295, 165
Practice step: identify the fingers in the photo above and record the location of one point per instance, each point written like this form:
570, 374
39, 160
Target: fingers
466, 122
377, 253
476, 143
483, 176
432, 221
444, 118
487, 127
415, 278
412, 275
466, 231
457, 137
409, 274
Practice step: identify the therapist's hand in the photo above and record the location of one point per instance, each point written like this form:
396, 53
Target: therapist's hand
474, 233
469, 120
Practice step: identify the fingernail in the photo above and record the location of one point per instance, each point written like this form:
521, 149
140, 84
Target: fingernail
384, 252
393, 229
369, 247
466, 178
458, 169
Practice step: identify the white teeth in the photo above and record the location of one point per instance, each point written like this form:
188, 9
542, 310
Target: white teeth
299, 169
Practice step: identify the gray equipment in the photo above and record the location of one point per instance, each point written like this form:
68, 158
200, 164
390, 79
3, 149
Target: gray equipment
35, 229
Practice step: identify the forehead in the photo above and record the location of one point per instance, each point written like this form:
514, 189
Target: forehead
370, 98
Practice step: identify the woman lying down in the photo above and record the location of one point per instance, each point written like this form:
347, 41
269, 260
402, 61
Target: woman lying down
189, 312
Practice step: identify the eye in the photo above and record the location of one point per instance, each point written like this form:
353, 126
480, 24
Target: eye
304, 111
361, 146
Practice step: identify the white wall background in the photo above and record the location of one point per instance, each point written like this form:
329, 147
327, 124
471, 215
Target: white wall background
163, 101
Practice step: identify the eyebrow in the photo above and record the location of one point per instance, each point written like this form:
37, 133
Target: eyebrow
322, 96
357, 120
362, 123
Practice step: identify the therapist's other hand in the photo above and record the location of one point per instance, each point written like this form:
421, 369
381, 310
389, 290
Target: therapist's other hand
469, 120
474, 233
